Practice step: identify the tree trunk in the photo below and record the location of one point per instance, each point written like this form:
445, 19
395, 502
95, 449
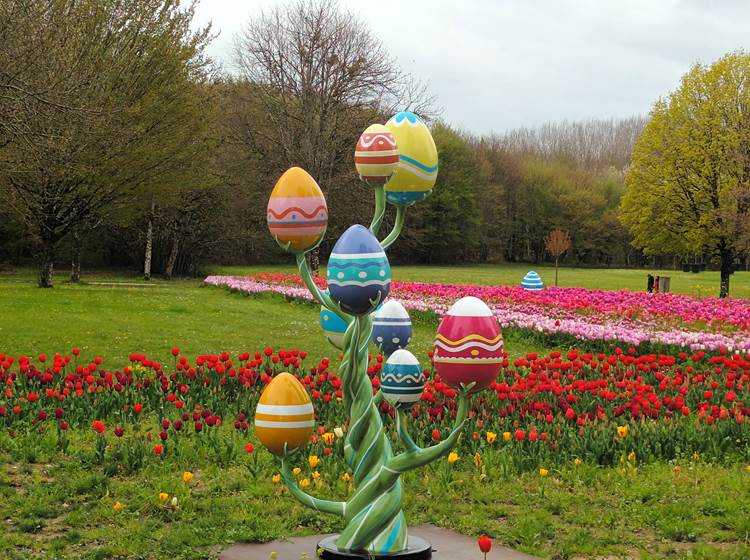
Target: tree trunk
46, 264
556, 259
75, 265
172, 257
727, 262
149, 242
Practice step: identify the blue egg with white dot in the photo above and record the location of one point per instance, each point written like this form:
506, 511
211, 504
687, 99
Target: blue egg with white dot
334, 327
359, 275
402, 379
532, 281
391, 327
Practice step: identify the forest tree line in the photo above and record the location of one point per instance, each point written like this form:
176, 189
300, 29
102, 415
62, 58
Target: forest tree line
122, 144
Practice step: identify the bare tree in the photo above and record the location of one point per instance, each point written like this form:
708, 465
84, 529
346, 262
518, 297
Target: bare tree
556, 243
319, 77
593, 143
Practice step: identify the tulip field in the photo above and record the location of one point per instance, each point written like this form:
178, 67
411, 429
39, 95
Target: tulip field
585, 446
571, 315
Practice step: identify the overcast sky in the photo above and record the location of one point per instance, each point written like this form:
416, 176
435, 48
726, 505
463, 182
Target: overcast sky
501, 64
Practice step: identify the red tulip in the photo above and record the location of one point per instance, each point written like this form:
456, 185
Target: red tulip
98, 426
485, 544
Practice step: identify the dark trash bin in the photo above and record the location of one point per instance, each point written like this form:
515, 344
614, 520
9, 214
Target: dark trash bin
703, 267
696, 268
685, 267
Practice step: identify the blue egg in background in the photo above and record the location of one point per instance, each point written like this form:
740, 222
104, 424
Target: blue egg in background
334, 327
532, 281
391, 327
359, 275
402, 379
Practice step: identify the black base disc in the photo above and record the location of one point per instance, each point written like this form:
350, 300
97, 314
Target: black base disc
418, 549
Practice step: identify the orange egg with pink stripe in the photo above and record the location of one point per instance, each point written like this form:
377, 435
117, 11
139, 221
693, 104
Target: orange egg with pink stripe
284, 417
297, 213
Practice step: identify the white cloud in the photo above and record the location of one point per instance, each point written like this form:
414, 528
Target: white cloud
502, 64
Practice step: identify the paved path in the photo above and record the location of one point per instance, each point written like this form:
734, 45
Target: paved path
446, 545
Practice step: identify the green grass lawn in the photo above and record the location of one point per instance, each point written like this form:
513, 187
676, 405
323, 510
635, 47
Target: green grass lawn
59, 505
702, 284
108, 316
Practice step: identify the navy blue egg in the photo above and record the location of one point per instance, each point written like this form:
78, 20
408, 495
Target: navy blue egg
391, 327
359, 275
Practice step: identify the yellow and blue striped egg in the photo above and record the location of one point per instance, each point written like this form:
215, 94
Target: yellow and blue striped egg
359, 275
417, 170
284, 417
402, 379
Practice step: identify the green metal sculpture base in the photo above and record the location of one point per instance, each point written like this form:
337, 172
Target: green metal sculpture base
373, 515
417, 549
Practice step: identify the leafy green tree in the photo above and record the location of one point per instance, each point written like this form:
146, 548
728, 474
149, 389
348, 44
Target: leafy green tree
688, 188
124, 74
451, 218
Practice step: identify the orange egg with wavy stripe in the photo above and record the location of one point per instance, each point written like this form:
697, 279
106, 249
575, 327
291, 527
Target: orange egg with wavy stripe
297, 213
284, 415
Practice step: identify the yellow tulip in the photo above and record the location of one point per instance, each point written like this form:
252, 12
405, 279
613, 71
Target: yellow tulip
506, 436
304, 483
543, 472
313, 461
276, 478
631, 456
187, 476
477, 459
316, 475
491, 437
577, 462
174, 501
328, 438
163, 496
345, 477
118, 507
452, 457
622, 431
296, 471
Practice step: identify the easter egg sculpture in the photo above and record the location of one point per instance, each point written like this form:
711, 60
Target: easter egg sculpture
402, 379
468, 345
391, 327
532, 281
376, 155
417, 169
284, 417
359, 279
297, 214
359, 276
334, 327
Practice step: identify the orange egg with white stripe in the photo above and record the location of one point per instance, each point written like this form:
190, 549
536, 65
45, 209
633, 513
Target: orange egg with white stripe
284, 417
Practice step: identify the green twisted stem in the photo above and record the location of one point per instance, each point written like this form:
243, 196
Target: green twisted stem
377, 218
373, 515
